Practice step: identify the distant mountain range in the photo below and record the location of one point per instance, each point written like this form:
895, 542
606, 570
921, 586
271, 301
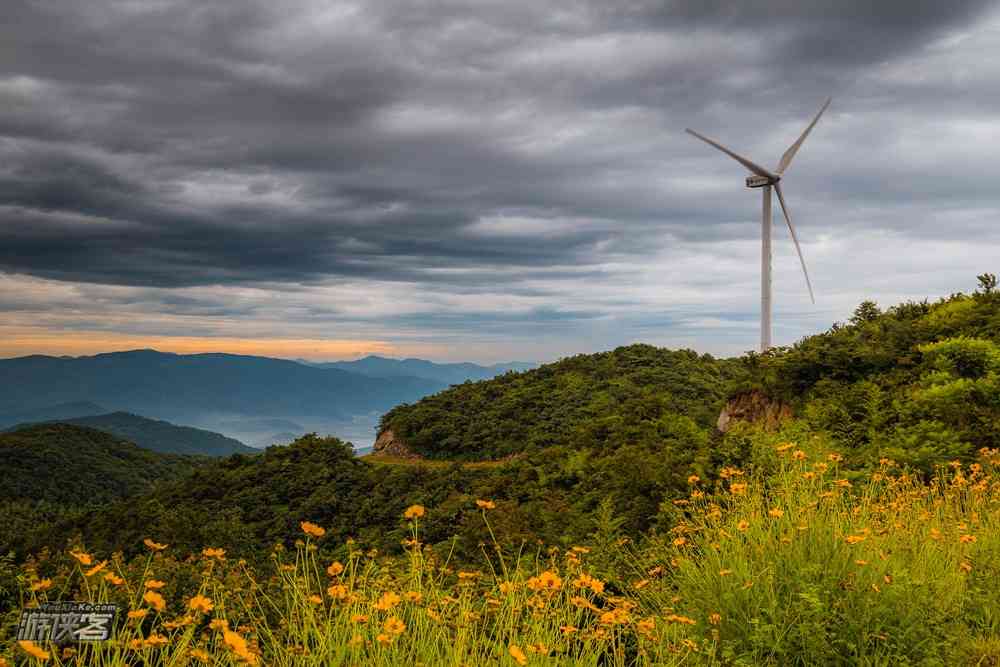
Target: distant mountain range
186, 388
455, 373
161, 436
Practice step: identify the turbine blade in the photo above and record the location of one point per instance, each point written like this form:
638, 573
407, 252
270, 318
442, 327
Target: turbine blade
752, 166
795, 239
786, 159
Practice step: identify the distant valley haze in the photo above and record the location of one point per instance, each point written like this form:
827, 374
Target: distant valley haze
257, 400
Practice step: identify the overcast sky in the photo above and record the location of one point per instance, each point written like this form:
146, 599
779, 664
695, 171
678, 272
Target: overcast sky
485, 180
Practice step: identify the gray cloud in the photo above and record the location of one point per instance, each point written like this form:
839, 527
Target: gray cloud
519, 148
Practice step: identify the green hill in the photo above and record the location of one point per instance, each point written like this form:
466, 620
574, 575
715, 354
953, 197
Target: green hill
76, 465
586, 401
52, 473
161, 436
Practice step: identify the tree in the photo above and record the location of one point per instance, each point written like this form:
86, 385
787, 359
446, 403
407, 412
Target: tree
987, 282
866, 312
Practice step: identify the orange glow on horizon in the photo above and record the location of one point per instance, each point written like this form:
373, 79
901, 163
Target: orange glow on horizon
83, 343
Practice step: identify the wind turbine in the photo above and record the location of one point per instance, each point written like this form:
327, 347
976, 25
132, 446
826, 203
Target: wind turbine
762, 178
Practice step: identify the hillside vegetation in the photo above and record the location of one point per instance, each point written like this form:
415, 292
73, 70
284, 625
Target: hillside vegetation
162, 436
54, 472
588, 401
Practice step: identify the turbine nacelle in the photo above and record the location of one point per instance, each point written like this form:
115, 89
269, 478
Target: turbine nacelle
760, 181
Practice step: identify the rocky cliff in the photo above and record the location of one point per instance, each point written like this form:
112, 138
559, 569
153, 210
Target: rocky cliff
388, 444
753, 406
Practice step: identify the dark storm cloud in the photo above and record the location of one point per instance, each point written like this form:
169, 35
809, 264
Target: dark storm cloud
190, 143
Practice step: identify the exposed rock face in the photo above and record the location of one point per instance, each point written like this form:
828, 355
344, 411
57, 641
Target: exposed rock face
753, 406
388, 444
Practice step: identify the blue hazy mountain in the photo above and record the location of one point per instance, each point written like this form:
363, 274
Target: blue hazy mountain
186, 388
162, 436
454, 373
52, 413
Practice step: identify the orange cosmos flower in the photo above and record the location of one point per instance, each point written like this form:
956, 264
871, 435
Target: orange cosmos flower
213, 553
82, 556
42, 585
238, 645
154, 583
387, 601
155, 600
200, 603
312, 529
394, 626
34, 650
518, 655
414, 512
335, 569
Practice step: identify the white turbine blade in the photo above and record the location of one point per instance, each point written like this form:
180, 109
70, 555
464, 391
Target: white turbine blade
784, 209
752, 166
786, 159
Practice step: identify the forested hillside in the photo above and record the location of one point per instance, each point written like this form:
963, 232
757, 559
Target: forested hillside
162, 436
587, 401
918, 383
52, 472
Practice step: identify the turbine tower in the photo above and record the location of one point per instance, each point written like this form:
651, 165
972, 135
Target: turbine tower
762, 178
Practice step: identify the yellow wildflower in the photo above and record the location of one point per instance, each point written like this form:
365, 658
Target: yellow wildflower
743, 525
518, 655
211, 552
693, 479
546, 581
114, 579
34, 650
138, 613
199, 654
315, 599
715, 619
967, 539
414, 512
200, 603
312, 529
238, 645
219, 624
394, 626
854, 539
413, 596
97, 568
387, 601
42, 585
798, 455
155, 600
384, 639
568, 629
680, 541
337, 592
82, 556
154, 583
335, 569
486, 504
155, 640
738, 488
359, 618
154, 546
776, 513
